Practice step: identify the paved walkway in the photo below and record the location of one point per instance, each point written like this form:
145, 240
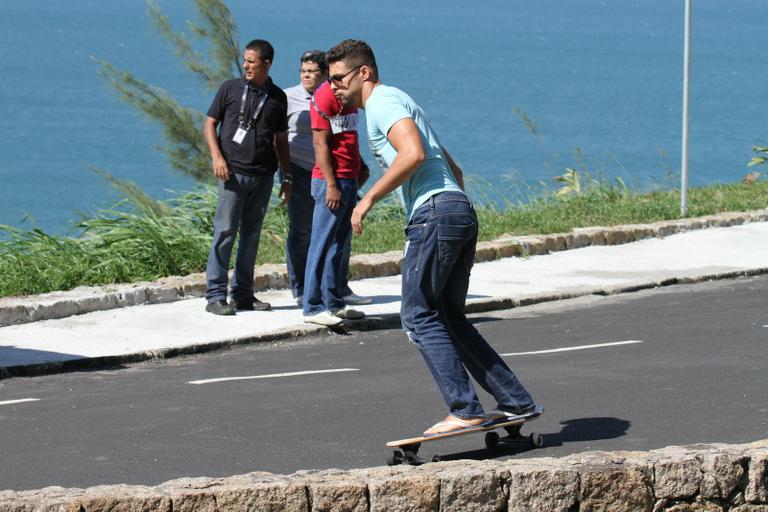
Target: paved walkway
162, 330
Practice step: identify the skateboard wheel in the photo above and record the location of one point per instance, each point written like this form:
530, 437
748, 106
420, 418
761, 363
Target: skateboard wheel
491, 440
395, 459
535, 440
436, 458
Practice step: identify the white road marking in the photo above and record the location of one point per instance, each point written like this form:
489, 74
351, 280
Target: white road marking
273, 376
568, 349
19, 401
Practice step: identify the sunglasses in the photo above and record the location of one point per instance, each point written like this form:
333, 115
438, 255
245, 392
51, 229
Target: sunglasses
339, 79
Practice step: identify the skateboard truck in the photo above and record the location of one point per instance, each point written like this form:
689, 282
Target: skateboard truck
494, 440
409, 454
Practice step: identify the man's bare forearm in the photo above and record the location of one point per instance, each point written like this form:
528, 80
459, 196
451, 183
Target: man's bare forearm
211, 137
404, 136
320, 142
403, 166
218, 163
365, 173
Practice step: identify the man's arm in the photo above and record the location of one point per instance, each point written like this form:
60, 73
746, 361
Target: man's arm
404, 136
284, 159
321, 142
220, 169
455, 169
365, 173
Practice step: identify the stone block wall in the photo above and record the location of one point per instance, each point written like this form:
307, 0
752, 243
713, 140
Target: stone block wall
700, 478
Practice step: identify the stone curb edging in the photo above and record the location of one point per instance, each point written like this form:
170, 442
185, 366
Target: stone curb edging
18, 310
706, 478
370, 323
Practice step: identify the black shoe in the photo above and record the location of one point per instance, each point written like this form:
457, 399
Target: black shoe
253, 304
220, 307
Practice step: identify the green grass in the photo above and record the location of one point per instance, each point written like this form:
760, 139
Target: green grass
142, 239
608, 207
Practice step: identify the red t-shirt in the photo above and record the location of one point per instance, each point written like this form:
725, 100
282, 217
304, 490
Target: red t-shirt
326, 114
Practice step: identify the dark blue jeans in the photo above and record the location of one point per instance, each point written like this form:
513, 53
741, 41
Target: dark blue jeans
300, 208
440, 250
330, 231
243, 201
344, 270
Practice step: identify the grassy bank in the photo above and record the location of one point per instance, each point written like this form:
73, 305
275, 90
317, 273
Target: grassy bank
139, 240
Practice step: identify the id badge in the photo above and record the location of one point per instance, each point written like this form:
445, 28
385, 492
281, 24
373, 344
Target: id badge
337, 124
239, 135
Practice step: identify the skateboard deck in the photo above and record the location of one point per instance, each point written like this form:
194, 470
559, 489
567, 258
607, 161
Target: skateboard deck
407, 449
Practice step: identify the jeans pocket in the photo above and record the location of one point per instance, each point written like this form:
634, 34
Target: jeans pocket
317, 190
455, 232
414, 232
414, 241
451, 239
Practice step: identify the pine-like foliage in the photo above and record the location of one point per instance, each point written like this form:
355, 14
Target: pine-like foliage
761, 155
183, 127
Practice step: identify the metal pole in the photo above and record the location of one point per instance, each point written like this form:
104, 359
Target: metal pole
686, 90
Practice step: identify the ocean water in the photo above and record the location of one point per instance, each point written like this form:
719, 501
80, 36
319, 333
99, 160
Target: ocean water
599, 78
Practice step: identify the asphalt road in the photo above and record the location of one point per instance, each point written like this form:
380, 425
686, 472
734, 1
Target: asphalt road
698, 374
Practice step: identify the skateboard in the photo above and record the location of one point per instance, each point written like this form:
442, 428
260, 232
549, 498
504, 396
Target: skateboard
406, 450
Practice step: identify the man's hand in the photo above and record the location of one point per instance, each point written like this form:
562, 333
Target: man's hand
220, 169
359, 213
286, 189
332, 196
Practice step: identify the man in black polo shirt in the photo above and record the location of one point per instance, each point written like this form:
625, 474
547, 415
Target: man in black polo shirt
251, 116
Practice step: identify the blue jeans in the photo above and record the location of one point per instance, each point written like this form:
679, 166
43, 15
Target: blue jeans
300, 208
440, 250
344, 270
330, 231
243, 201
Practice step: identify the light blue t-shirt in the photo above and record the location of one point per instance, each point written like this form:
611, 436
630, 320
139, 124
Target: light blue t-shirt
386, 106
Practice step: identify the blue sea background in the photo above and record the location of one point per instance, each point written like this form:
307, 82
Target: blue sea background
600, 77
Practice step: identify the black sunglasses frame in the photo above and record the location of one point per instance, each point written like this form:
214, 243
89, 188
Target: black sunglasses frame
339, 79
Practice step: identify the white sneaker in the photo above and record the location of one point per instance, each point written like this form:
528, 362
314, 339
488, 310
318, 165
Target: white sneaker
354, 299
323, 318
348, 314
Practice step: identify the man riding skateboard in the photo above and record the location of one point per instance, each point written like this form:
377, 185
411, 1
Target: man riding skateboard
441, 235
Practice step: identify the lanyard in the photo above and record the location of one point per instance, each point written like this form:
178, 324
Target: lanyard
323, 114
255, 113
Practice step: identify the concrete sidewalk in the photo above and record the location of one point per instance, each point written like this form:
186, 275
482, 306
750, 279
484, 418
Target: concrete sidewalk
163, 330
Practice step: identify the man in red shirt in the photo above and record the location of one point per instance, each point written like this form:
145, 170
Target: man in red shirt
334, 189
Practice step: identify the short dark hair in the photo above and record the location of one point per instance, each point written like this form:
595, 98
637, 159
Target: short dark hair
266, 52
316, 56
355, 53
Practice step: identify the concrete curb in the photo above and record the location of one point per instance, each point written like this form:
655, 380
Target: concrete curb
19, 310
716, 477
114, 361
370, 323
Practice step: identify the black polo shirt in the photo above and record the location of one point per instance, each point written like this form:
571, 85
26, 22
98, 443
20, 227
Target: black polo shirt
256, 154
